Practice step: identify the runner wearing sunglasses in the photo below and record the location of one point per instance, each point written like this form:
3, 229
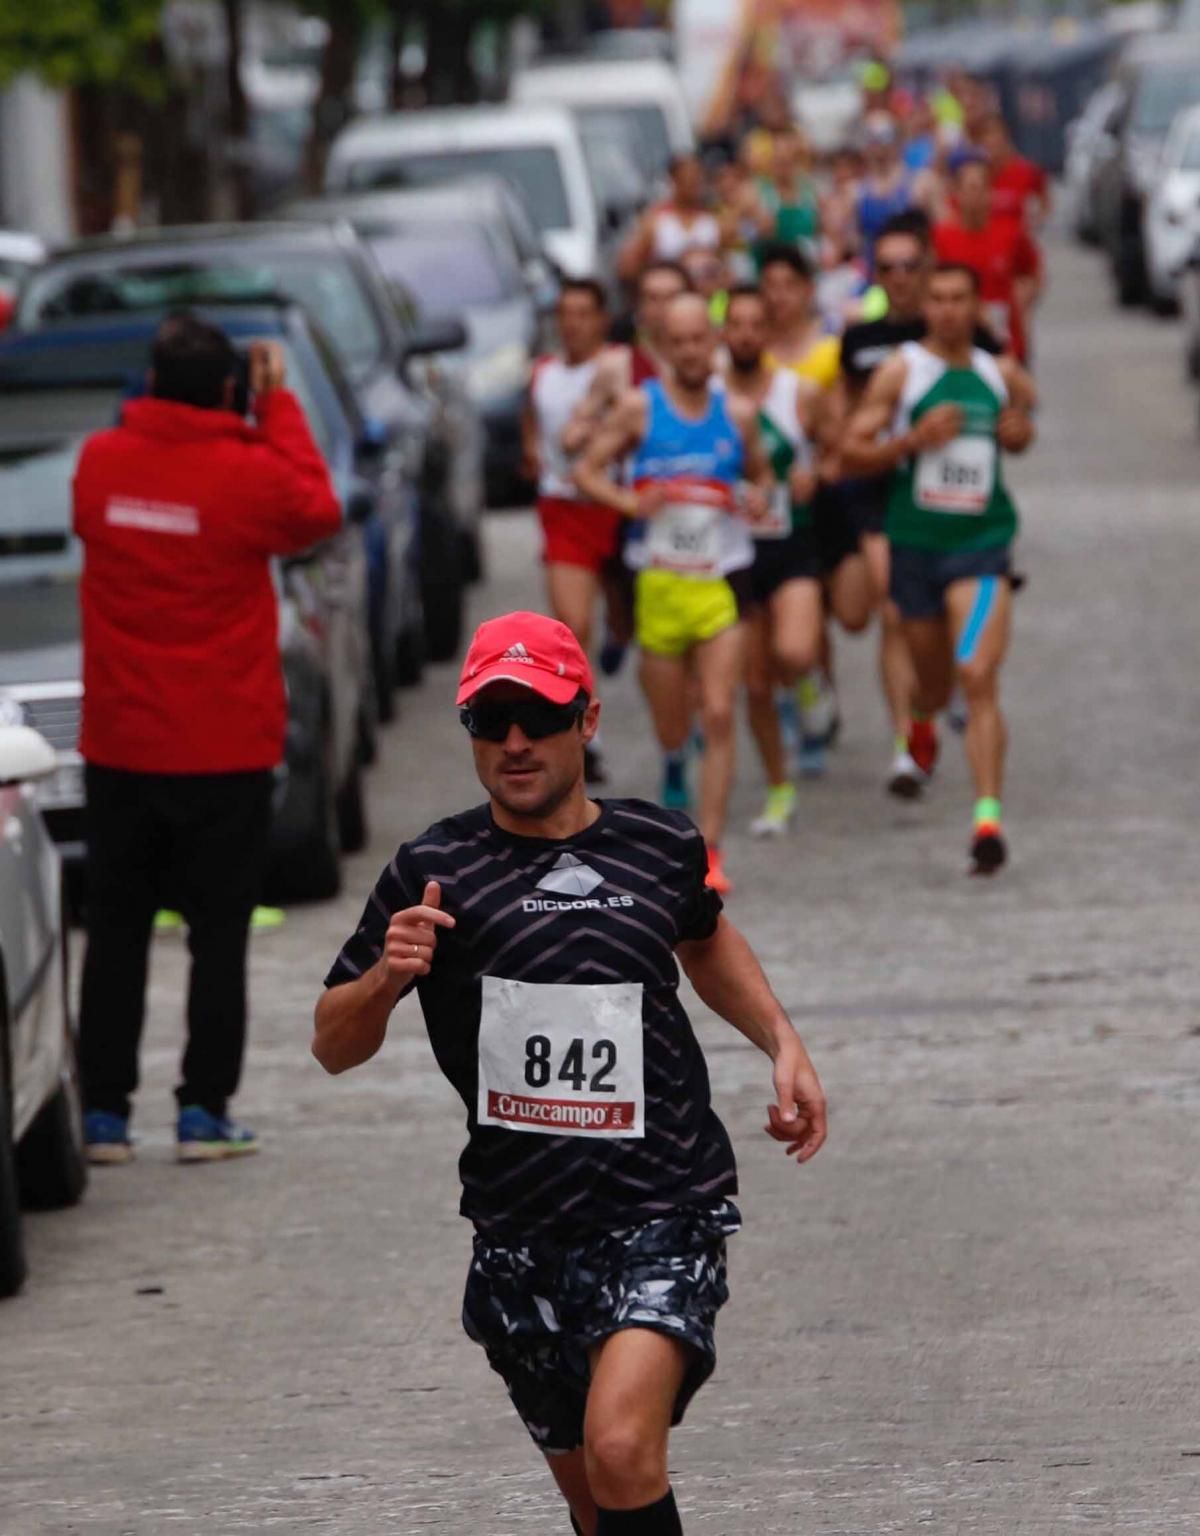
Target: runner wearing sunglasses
541, 932
903, 260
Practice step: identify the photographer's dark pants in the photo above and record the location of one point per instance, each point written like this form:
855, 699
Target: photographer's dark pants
196, 843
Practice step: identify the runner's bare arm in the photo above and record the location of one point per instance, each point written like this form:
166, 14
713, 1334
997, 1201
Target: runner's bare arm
610, 378
530, 457
756, 464
622, 431
637, 250
728, 978
862, 451
352, 1019
1016, 429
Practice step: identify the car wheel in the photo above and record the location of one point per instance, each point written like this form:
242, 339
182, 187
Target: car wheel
352, 813
312, 869
441, 586
12, 1251
51, 1160
1129, 277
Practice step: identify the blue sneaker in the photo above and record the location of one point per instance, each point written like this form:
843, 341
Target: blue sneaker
675, 795
810, 760
612, 655
204, 1138
106, 1137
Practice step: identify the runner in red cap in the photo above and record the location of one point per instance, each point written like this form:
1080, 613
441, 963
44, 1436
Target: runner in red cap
541, 932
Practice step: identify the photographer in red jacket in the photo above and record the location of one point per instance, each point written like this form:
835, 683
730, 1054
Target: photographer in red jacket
180, 510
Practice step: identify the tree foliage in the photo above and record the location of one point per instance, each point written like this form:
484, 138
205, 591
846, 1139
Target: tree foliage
82, 42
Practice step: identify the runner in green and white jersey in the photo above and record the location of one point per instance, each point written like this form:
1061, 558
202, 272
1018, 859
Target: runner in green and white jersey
948, 409
786, 618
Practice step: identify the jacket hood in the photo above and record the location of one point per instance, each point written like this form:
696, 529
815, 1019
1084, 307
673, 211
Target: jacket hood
170, 421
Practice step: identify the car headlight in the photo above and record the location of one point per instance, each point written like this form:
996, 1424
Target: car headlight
11, 712
502, 372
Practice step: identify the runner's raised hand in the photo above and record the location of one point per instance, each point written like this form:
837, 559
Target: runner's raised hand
413, 934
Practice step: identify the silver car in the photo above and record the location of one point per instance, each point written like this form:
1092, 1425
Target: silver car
42, 1162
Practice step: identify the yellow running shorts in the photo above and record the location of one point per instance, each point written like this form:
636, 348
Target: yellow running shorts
673, 612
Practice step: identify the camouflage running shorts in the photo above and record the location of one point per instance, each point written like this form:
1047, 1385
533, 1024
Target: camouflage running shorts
539, 1308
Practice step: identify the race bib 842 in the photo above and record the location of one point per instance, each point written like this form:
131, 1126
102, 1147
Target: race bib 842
560, 1059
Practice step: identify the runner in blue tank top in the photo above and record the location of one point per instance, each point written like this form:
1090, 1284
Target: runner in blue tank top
691, 448
888, 187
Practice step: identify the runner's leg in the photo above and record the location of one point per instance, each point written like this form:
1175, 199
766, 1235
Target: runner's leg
570, 1473
572, 590
796, 622
760, 697
664, 682
720, 665
980, 613
929, 645
636, 1377
895, 664
849, 590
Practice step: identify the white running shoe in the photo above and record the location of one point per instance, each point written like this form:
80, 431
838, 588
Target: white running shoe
818, 706
778, 812
905, 778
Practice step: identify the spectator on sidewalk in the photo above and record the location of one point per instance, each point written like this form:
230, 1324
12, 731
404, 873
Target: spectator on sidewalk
181, 509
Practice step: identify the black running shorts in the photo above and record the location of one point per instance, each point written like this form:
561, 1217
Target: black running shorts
919, 577
778, 561
538, 1309
836, 535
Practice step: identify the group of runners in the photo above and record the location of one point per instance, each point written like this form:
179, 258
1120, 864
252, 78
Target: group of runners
755, 474
803, 433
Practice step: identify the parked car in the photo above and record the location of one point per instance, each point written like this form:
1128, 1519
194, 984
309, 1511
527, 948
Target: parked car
1171, 223
67, 380
42, 1161
1091, 135
646, 92
1158, 76
1189, 303
418, 442
20, 253
536, 149
442, 249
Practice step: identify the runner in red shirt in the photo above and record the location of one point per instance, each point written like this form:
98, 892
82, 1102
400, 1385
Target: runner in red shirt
1020, 189
999, 250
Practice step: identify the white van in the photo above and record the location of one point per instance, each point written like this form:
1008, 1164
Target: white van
536, 149
645, 91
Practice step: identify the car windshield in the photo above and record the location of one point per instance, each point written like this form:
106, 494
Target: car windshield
318, 279
41, 432
532, 169
646, 123
444, 269
1161, 93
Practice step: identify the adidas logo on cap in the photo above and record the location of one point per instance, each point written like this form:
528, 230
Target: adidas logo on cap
517, 653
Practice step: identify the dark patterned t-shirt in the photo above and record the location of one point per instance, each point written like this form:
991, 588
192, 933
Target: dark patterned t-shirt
606, 906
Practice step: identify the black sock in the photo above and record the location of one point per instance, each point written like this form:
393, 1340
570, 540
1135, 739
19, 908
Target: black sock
661, 1519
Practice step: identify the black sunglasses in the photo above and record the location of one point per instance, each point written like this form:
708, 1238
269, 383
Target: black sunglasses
492, 719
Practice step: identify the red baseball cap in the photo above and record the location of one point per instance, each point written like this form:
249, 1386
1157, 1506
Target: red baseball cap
530, 649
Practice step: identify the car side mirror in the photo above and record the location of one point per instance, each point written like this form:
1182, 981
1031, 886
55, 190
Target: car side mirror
25, 755
434, 336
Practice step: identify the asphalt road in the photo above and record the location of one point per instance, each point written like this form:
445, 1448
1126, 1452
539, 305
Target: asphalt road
976, 1312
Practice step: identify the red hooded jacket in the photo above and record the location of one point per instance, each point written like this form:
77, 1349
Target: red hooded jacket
180, 511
